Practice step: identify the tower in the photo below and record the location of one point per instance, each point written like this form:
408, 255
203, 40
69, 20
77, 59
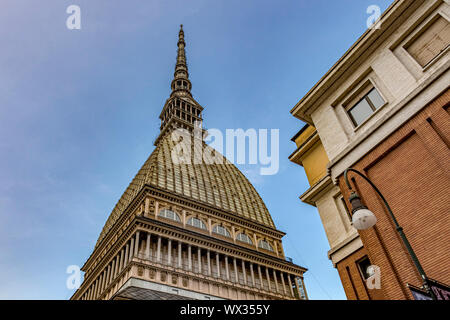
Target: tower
189, 231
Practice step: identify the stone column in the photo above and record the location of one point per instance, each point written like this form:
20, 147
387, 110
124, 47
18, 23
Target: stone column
298, 288
147, 207
156, 210
126, 256
169, 253
253, 275
103, 281
92, 290
268, 278
179, 254
244, 272
260, 277
227, 271
233, 233
184, 218
209, 262
100, 284
121, 260
95, 289
218, 265
275, 279
147, 246
235, 270
199, 259
100, 287
189, 257
304, 288
276, 248
158, 250
131, 249
283, 283
112, 271
116, 271
136, 244
290, 285
106, 277
107, 271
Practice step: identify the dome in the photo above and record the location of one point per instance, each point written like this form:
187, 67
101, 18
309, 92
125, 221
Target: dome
222, 186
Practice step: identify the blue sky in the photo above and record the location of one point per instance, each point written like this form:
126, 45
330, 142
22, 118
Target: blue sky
79, 114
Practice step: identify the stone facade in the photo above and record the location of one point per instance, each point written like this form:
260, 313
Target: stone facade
199, 231
344, 240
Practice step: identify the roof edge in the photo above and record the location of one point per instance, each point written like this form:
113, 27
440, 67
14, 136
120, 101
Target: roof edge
351, 55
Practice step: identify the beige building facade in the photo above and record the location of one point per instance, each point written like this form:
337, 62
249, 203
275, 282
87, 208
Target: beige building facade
383, 108
380, 59
324, 195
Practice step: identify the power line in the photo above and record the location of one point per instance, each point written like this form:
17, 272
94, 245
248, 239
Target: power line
312, 273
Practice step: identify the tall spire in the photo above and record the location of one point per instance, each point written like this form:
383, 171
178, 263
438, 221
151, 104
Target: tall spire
180, 110
181, 85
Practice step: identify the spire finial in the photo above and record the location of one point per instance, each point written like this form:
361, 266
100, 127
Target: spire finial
181, 84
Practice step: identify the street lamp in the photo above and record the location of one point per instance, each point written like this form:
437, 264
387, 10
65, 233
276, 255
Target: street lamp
363, 218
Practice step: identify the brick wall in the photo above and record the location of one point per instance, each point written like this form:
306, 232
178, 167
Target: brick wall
412, 170
352, 280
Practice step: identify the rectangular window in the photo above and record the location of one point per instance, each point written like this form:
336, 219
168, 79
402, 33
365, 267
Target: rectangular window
363, 266
365, 107
430, 41
346, 208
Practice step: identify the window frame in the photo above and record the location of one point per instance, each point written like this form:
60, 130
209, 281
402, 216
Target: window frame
201, 223
361, 272
369, 102
227, 232
271, 249
176, 216
419, 32
250, 242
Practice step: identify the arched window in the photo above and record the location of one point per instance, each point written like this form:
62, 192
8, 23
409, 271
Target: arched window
222, 231
197, 223
263, 244
244, 238
169, 214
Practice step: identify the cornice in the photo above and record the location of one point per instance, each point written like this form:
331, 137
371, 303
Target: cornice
206, 242
310, 196
213, 243
199, 205
393, 16
304, 147
155, 191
